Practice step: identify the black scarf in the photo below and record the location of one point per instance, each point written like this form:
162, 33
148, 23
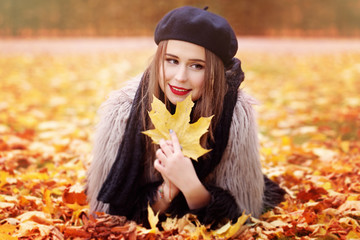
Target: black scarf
122, 185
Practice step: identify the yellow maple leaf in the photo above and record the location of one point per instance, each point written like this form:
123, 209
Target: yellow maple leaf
188, 134
231, 230
153, 219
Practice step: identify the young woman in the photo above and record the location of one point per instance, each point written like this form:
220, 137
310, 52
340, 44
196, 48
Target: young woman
195, 56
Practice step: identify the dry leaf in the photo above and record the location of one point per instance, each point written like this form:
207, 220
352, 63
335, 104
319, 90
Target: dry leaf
188, 134
33, 229
75, 194
231, 230
6, 231
36, 216
153, 220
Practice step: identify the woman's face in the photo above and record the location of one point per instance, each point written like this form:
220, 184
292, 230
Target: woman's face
184, 71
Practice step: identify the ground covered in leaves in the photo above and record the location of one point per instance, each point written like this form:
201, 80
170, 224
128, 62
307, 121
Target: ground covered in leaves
309, 124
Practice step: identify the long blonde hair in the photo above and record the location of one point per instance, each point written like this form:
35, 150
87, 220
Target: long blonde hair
210, 102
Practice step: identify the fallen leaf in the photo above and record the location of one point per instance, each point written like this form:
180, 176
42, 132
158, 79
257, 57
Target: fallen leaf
6, 231
3, 178
32, 230
5, 236
324, 154
153, 220
350, 205
36, 216
237, 228
75, 194
353, 235
76, 231
314, 193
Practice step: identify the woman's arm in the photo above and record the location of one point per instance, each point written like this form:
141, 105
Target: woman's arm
211, 204
197, 196
179, 174
220, 209
161, 201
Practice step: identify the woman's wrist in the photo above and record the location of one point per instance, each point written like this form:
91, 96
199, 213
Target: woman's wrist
169, 191
197, 195
164, 193
161, 203
161, 194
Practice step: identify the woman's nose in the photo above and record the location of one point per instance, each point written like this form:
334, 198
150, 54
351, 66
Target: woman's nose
181, 74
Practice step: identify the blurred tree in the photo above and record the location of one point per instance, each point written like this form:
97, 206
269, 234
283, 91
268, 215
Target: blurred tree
138, 17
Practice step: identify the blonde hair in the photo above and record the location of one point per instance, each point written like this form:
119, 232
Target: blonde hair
210, 102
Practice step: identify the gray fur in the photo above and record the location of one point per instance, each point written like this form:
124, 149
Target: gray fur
239, 170
114, 114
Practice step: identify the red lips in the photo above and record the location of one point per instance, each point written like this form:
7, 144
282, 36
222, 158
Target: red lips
178, 90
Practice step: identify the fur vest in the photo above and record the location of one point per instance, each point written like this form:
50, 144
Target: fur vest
239, 171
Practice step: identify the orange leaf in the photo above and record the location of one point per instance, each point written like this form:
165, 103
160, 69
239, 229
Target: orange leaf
75, 194
4, 236
314, 193
6, 230
48, 208
74, 232
3, 177
30, 228
36, 216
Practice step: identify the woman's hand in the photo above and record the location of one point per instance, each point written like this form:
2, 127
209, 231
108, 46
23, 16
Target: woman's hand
169, 189
179, 173
173, 165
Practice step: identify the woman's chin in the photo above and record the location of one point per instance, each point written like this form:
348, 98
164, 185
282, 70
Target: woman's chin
174, 99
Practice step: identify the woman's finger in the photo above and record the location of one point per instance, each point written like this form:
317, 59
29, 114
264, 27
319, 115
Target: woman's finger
175, 141
160, 155
165, 147
161, 169
170, 145
158, 166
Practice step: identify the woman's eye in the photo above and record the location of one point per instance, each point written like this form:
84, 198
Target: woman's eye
197, 66
172, 61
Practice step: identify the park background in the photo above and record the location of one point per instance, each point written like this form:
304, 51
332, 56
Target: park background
60, 59
59, 18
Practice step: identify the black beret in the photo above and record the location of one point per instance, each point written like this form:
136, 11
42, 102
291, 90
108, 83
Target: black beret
200, 27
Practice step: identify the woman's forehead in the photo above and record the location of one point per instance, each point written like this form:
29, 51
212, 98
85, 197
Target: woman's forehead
185, 50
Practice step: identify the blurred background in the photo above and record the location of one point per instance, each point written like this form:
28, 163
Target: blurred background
69, 18
60, 59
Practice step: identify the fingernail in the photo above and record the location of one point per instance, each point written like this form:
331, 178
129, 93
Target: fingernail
171, 131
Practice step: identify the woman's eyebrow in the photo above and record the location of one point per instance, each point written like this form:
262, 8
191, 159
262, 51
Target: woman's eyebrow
197, 60
193, 59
